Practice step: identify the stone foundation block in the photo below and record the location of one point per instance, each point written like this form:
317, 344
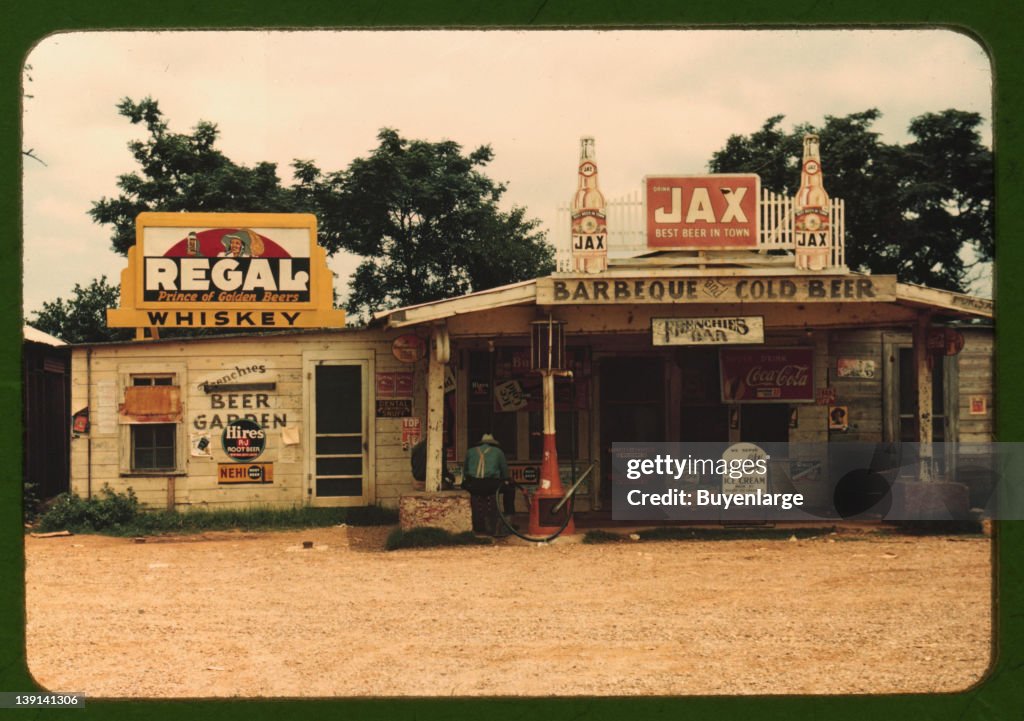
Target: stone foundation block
935, 501
449, 510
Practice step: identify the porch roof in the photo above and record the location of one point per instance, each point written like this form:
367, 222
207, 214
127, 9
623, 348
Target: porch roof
954, 306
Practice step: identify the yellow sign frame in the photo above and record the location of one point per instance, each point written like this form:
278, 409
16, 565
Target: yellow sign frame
137, 312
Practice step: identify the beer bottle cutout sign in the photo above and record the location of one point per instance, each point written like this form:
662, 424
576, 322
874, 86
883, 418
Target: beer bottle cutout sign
810, 212
589, 228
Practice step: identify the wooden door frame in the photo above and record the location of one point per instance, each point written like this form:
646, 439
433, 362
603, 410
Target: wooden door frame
365, 359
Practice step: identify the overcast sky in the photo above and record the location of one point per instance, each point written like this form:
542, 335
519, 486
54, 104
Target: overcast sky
656, 101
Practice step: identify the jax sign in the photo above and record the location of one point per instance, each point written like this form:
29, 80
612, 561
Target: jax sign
226, 270
701, 212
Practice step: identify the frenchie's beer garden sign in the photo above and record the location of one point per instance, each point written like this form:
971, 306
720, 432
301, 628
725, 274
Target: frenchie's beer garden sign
226, 270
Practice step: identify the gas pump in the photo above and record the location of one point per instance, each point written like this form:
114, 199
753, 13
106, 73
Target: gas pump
547, 357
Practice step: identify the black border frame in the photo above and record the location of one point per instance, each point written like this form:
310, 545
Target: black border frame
996, 25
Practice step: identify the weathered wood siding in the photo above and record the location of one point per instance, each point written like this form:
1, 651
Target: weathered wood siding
969, 375
863, 397
100, 374
976, 371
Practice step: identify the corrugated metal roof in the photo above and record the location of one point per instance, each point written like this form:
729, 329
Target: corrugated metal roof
34, 335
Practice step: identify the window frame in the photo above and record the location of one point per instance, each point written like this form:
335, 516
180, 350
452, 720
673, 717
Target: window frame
129, 375
135, 429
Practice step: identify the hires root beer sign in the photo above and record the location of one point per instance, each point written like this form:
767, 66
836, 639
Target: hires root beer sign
232, 270
700, 212
767, 375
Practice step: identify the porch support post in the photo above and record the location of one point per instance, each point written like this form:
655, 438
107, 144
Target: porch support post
923, 362
438, 358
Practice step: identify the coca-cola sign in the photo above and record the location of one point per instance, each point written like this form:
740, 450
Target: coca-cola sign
776, 375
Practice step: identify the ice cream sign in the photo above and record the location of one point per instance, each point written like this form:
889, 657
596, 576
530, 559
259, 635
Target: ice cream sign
699, 212
233, 270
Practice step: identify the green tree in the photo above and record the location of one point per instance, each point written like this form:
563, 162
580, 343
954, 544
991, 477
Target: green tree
184, 172
422, 215
426, 221
911, 210
83, 317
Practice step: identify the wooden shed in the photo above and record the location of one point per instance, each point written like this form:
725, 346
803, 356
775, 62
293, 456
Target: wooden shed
46, 375
159, 411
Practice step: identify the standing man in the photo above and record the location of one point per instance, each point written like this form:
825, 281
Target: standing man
484, 471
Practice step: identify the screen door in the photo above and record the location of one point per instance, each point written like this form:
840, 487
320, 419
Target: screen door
339, 455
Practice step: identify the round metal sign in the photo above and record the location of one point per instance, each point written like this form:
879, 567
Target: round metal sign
244, 440
409, 348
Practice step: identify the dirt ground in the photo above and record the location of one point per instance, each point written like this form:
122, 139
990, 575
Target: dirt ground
233, 614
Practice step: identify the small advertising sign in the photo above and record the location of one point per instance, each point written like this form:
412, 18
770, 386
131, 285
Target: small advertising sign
412, 432
245, 473
199, 445
707, 331
979, 405
745, 459
947, 341
244, 439
838, 418
80, 421
769, 375
409, 348
394, 385
702, 211
855, 368
509, 396
385, 385
403, 385
394, 407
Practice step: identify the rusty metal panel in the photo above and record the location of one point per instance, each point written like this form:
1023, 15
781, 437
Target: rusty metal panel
151, 404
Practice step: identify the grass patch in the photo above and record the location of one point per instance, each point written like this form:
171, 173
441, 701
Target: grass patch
671, 533
939, 528
600, 536
119, 514
430, 537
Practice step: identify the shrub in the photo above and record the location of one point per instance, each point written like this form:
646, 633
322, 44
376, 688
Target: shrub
120, 514
600, 536
430, 537
30, 502
105, 511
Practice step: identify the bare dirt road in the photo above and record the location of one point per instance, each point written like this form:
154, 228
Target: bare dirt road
235, 614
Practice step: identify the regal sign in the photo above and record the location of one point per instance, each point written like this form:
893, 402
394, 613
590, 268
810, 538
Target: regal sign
768, 375
701, 212
226, 270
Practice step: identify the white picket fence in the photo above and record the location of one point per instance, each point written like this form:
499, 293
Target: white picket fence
627, 229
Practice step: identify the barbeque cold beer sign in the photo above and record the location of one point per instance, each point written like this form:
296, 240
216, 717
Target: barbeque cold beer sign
226, 270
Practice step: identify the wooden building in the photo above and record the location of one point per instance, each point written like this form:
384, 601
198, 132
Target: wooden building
856, 348
704, 311
342, 408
